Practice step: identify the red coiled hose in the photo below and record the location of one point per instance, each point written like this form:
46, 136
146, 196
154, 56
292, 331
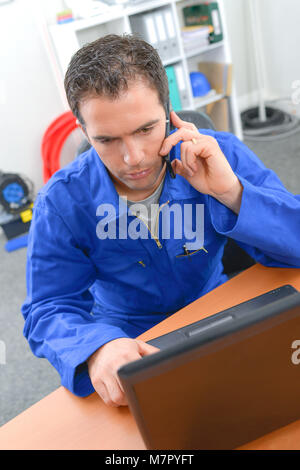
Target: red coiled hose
53, 140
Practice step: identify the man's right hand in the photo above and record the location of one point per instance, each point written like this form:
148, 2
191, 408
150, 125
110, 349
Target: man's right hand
105, 362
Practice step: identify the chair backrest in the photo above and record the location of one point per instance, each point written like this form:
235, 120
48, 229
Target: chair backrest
201, 120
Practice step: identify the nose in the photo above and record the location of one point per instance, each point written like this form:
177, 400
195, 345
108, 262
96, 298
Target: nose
132, 154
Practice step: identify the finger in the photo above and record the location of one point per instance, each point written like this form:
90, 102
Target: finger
115, 395
119, 382
198, 147
145, 349
206, 145
118, 396
178, 168
124, 400
188, 157
182, 134
181, 170
192, 151
174, 166
188, 171
101, 389
178, 122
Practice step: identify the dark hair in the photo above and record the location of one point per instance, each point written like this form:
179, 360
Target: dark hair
108, 65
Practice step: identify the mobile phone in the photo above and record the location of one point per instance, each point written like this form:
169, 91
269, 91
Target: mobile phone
168, 128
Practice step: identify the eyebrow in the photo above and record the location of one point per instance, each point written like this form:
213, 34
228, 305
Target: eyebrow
147, 124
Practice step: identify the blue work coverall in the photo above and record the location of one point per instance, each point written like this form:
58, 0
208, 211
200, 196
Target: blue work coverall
83, 291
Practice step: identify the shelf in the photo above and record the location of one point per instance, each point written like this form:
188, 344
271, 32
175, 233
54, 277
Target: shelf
145, 6
96, 20
172, 61
204, 101
202, 50
115, 12
69, 37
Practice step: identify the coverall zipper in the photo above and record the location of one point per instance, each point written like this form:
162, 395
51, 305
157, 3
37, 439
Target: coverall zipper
157, 241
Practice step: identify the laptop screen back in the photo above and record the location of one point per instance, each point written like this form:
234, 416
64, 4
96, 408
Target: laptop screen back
224, 390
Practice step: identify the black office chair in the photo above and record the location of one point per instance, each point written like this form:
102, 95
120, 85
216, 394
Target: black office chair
201, 120
235, 259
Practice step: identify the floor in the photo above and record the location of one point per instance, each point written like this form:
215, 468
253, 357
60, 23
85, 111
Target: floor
25, 379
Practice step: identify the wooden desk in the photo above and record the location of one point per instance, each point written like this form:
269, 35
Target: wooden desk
64, 421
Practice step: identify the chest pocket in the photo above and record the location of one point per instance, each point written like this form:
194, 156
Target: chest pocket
181, 250
188, 254
191, 264
123, 267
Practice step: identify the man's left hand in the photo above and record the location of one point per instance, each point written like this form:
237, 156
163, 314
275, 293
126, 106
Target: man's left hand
203, 164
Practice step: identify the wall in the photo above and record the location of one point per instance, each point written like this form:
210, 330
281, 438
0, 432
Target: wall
29, 99
238, 26
281, 37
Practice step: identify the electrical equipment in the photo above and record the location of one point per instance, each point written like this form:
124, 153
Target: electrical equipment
16, 202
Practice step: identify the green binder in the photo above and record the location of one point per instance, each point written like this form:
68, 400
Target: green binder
174, 91
205, 14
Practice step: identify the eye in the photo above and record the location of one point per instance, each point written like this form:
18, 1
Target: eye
105, 141
146, 130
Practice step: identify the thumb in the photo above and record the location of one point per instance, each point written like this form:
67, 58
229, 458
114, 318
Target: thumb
146, 349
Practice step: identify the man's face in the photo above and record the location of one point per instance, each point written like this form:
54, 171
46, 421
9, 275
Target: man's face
127, 134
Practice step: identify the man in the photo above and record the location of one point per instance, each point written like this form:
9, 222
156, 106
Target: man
100, 274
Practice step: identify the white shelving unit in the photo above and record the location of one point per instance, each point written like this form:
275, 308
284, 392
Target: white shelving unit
68, 38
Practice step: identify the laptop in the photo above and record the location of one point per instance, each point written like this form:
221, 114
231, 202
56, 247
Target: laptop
223, 381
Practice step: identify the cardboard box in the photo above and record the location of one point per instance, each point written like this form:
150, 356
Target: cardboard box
219, 76
219, 114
